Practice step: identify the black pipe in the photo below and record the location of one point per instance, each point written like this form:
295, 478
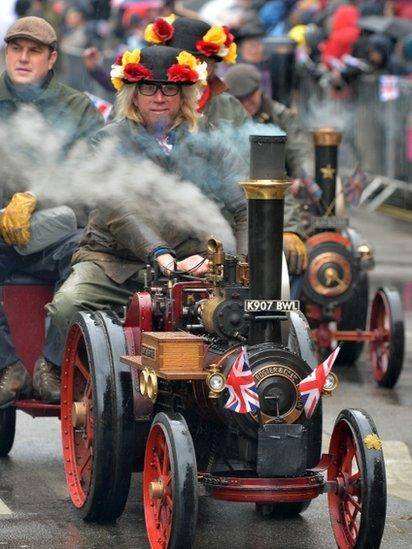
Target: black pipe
326, 142
265, 224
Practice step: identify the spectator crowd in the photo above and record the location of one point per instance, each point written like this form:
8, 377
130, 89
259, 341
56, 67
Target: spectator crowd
332, 40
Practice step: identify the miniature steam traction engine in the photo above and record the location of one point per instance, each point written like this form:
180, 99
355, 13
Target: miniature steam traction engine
335, 288
150, 393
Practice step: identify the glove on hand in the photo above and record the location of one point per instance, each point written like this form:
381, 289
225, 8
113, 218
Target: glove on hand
15, 220
296, 253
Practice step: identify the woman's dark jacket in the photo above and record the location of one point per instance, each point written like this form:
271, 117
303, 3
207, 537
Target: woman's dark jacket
121, 240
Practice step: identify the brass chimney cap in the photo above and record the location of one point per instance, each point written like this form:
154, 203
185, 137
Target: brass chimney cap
326, 137
265, 189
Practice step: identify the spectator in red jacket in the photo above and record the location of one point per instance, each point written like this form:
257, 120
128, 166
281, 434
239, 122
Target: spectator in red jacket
344, 33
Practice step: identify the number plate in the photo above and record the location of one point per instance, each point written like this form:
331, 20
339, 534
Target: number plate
330, 222
271, 305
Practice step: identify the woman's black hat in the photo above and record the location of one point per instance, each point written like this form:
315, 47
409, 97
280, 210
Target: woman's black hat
187, 32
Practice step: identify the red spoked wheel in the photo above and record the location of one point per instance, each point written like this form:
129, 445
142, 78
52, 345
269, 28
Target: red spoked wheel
97, 474
358, 505
170, 484
387, 349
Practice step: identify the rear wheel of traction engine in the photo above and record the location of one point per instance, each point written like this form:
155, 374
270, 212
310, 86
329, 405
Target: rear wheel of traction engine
358, 507
170, 484
354, 316
7, 429
91, 430
387, 352
126, 436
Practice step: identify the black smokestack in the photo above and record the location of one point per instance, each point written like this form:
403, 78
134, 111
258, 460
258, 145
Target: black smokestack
265, 193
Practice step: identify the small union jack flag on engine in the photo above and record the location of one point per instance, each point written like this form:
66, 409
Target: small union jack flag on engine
243, 396
310, 388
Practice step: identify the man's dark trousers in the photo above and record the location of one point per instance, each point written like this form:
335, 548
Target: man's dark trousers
51, 265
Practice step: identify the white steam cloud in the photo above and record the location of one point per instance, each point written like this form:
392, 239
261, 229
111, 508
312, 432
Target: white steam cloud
31, 159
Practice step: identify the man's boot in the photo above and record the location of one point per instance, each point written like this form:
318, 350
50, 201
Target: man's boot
15, 383
46, 381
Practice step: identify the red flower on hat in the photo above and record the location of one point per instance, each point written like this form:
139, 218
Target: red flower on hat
207, 48
163, 29
181, 73
118, 59
134, 72
229, 36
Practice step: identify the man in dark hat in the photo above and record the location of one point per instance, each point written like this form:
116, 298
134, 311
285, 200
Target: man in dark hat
252, 50
210, 44
29, 81
157, 120
245, 83
250, 43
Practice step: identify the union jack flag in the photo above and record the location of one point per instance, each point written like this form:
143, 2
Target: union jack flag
354, 185
388, 87
103, 106
310, 388
243, 396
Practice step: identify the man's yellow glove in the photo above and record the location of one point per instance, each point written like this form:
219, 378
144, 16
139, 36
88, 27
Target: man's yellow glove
296, 253
15, 220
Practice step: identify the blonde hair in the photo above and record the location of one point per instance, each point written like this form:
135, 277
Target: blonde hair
125, 107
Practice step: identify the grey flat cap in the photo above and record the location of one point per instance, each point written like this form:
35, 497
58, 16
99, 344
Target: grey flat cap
34, 28
243, 80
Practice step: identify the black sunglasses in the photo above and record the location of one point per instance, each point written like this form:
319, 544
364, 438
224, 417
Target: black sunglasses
166, 89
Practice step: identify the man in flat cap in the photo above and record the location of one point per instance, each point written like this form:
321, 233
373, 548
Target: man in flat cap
29, 78
245, 83
29, 81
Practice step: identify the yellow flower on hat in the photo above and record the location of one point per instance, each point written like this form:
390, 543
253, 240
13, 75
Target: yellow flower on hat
186, 58
117, 75
231, 55
150, 35
117, 83
131, 57
170, 18
216, 35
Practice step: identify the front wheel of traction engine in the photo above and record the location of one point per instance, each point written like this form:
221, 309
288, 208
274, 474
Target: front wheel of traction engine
97, 470
357, 507
170, 484
387, 350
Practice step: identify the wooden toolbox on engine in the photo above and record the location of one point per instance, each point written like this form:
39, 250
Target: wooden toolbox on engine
172, 355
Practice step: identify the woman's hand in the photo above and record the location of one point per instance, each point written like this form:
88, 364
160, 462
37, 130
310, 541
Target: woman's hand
166, 263
195, 264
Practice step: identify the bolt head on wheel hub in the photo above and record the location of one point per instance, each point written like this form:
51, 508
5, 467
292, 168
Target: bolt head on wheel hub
156, 489
79, 414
